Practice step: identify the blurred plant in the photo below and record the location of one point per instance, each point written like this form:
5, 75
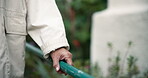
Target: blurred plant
132, 69
114, 68
125, 56
110, 46
38, 68
96, 71
77, 19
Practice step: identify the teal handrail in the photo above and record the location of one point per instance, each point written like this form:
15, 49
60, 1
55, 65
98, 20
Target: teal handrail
72, 71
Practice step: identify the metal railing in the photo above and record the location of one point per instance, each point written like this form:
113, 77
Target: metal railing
72, 71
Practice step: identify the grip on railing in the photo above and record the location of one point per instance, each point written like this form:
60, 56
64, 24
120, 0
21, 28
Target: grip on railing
72, 71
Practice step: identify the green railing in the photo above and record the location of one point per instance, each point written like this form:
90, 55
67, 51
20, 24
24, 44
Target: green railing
72, 71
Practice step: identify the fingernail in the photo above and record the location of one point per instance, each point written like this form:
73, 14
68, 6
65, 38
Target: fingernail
57, 68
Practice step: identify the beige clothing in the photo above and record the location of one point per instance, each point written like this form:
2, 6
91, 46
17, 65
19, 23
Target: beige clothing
41, 19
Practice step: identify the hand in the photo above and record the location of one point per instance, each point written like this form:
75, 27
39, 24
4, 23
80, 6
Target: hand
61, 54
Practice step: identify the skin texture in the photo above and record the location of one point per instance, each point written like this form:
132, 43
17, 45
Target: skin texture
61, 54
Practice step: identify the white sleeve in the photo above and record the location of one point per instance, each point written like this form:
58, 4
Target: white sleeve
45, 25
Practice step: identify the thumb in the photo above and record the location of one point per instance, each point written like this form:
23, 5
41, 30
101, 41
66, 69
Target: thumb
56, 63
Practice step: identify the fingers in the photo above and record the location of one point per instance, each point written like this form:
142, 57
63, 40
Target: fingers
61, 54
56, 63
69, 60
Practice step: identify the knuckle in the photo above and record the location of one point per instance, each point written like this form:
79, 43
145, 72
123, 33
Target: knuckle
70, 55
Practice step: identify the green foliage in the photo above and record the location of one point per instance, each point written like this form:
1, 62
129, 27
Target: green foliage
85, 66
115, 68
110, 45
130, 43
116, 65
132, 67
38, 68
88, 6
77, 19
96, 71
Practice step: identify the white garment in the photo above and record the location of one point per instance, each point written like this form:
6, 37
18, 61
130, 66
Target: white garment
45, 25
41, 19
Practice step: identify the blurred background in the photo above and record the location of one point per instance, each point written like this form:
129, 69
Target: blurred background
107, 39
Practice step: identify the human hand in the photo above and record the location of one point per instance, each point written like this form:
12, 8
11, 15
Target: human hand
61, 54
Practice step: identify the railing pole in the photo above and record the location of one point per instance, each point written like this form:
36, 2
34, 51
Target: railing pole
72, 71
